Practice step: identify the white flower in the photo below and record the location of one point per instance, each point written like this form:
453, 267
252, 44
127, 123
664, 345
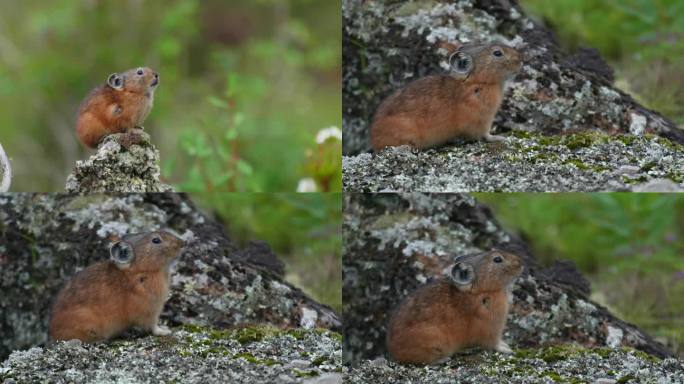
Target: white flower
306, 184
326, 133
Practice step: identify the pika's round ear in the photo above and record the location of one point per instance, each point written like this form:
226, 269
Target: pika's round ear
462, 275
121, 254
115, 81
461, 63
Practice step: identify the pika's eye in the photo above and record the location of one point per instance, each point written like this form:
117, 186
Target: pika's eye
156, 240
497, 53
140, 71
498, 259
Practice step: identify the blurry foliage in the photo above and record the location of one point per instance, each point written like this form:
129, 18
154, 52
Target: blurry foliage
304, 230
631, 246
245, 85
643, 39
323, 164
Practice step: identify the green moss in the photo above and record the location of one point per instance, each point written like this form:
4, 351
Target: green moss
297, 333
520, 134
635, 180
577, 163
192, 328
645, 356
335, 336
553, 375
247, 356
648, 166
676, 177
603, 352
300, 373
626, 139
666, 143
319, 360
626, 379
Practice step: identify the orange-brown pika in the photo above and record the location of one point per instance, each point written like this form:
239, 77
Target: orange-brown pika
433, 110
466, 309
117, 106
126, 291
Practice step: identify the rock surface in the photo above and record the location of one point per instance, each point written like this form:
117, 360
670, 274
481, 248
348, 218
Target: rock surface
188, 355
546, 365
115, 168
46, 238
388, 43
394, 243
524, 163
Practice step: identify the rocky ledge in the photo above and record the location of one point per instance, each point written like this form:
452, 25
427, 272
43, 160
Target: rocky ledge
131, 167
525, 162
189, 355
560, 364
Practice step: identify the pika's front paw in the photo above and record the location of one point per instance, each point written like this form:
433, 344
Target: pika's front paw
503, 348
160, 330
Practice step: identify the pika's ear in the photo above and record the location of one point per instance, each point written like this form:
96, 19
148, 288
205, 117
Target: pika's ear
461, 64
462, 275
115, 81
121, 254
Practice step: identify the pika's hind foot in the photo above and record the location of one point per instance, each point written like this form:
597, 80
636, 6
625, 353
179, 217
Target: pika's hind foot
493, 139
503, 348
160, 330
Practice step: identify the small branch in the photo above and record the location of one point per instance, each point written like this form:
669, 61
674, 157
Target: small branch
6, 171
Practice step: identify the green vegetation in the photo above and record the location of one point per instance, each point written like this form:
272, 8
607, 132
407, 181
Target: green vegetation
629, 245
304, 230
245, 87
642, 39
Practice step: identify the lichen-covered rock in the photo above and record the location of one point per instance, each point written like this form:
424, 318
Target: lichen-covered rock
524, 163
115, 168
394, 243
45, 239
387, 44
545, 365
188, 355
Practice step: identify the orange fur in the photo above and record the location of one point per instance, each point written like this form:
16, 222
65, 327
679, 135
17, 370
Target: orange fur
105, 299
433, 110
107, 110
441, 318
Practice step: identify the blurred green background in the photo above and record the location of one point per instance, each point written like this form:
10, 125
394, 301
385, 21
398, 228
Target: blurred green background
643, 40
245, 87
629, 245
304, 230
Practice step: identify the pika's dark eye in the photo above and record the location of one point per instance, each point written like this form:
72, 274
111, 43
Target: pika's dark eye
497, 53
156, 240
497, 259
140, 71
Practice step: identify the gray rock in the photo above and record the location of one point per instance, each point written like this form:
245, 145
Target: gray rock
526, 163
188, 355
659, 185
564, 364
327, 378
117, 169
45, 239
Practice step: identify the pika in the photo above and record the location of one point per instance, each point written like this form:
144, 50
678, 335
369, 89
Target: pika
128, 290
433, 110
119, 105
466, 309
